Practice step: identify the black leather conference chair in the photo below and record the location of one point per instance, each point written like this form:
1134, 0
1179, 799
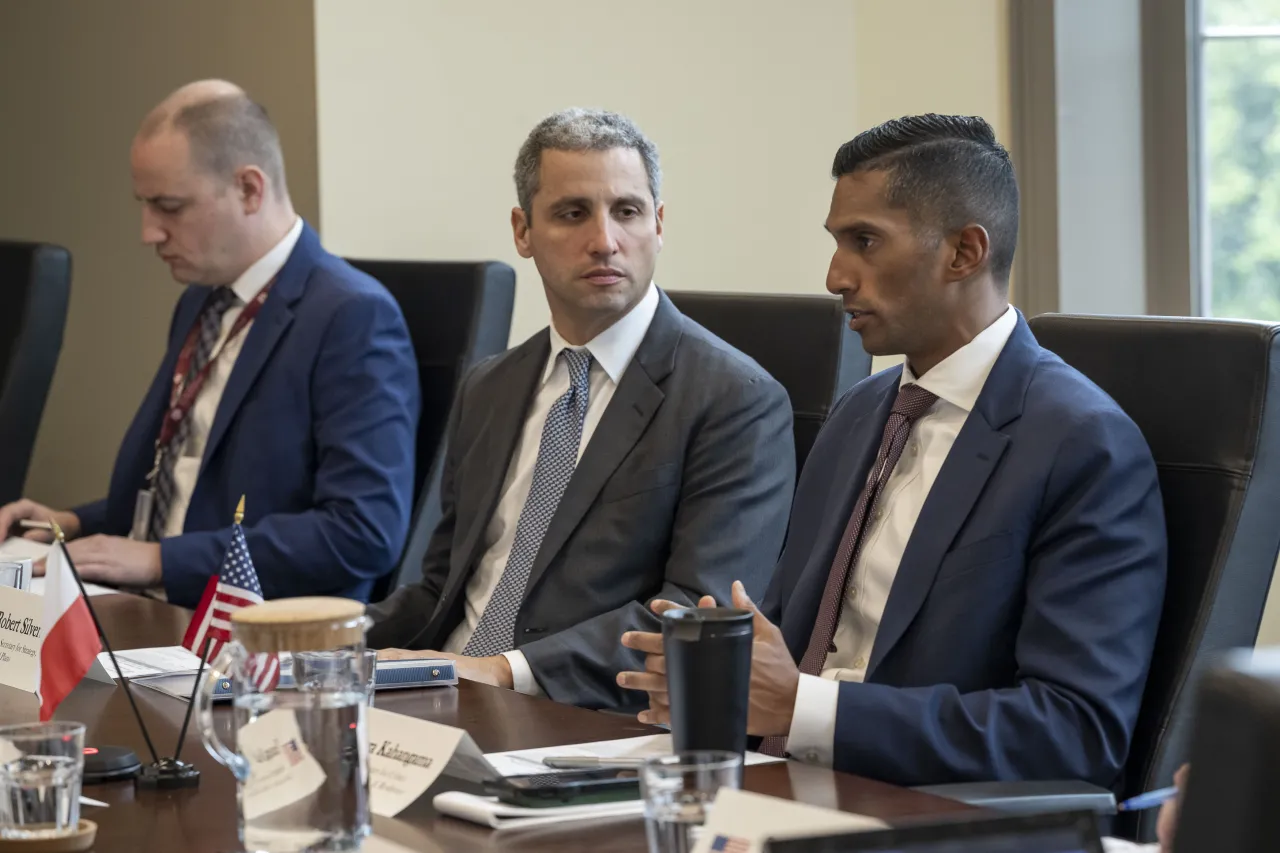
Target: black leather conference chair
1206, 394
35, 283
458, 313
802, 341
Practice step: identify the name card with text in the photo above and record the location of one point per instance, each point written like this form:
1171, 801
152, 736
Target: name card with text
20, 633
406, 755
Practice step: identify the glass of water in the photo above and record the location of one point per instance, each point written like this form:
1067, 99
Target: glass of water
41, 770
11, 574
678, 792
323, 670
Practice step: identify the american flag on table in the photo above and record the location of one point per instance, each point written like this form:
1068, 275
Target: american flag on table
730, 844
235, 586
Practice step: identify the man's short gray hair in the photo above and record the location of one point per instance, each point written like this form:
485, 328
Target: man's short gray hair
576, 129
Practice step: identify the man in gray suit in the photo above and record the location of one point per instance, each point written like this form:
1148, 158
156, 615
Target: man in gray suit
622, 455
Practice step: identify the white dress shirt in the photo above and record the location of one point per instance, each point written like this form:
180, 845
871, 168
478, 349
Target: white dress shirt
957, 381
187, 467
611, 352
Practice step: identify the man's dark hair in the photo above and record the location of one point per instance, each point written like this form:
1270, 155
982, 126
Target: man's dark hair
947, 172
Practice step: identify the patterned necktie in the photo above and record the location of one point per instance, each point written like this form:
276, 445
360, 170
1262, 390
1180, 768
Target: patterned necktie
912, 403
216, 304
557, 458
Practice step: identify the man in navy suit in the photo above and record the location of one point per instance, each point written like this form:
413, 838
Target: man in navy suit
975, 566
289, 379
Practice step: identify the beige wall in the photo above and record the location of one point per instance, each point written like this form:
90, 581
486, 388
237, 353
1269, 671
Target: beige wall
940, 56
75, 79
931, 56
423, 104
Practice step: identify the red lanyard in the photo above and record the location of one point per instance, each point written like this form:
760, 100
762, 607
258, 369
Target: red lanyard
184, 393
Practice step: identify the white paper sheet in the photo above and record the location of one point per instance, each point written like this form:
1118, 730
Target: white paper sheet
488, 811
140, 662
525, 762
37, 587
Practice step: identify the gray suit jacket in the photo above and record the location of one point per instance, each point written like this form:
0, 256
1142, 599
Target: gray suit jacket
684, 487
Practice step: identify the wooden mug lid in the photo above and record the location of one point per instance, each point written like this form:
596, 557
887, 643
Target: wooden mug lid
299, 624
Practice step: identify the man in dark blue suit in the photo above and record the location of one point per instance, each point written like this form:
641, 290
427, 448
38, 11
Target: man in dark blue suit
975, 566
289, 379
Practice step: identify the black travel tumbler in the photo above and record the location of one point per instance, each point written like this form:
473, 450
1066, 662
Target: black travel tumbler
708, 651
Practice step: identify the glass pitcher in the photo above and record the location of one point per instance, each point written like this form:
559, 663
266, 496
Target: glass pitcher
301, 756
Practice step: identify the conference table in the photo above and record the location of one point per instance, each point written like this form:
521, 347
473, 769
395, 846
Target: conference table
203, 819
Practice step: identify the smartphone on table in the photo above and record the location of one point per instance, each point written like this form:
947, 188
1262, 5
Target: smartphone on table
576, 788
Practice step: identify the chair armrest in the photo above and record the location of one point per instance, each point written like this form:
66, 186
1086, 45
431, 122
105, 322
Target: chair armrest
1029, 797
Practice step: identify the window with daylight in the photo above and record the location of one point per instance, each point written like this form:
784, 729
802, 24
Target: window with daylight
1239, 83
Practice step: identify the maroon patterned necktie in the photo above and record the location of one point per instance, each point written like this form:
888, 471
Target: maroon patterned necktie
912, 402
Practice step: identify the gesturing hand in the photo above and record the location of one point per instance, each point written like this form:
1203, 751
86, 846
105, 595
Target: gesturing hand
774, 675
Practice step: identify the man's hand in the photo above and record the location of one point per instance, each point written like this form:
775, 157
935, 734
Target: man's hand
1167, 823
774, 676
494, 670
11, 514
654, 679
114, 560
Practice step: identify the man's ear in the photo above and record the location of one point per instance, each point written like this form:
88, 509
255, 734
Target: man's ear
970, 252
251, 186
520, 231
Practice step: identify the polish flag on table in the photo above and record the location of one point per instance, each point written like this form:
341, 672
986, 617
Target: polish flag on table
71, 641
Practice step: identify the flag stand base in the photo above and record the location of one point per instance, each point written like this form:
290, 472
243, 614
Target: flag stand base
168, 773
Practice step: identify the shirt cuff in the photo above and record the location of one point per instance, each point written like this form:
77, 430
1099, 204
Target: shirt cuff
812, 738
521, 675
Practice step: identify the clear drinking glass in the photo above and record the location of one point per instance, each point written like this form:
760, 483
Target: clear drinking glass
41, 770
678, 791
11, 574
318, 670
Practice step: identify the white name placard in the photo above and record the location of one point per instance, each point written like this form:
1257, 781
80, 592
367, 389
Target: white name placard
405, 756
20, 637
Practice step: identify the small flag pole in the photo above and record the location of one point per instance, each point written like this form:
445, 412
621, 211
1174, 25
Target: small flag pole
204, 658
124, 682
182, 735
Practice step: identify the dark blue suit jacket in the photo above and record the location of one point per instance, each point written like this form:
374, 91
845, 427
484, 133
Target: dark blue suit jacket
1018, 632
316, 427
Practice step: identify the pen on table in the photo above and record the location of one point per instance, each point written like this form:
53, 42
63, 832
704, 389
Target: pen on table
89, 801
1149, 800
581, 762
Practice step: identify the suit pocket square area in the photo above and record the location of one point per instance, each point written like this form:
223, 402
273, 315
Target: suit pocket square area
975, 555
628, 485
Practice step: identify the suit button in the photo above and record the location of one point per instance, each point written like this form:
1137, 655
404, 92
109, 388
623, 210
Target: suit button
860, 663
853, 592
812, 756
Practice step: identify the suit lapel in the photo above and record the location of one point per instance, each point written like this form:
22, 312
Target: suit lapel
491, 456
974, 456
633, 406
265, 333
850, 477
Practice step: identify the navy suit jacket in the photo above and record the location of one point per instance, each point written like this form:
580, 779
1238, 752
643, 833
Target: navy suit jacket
316, 428
1018, 632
